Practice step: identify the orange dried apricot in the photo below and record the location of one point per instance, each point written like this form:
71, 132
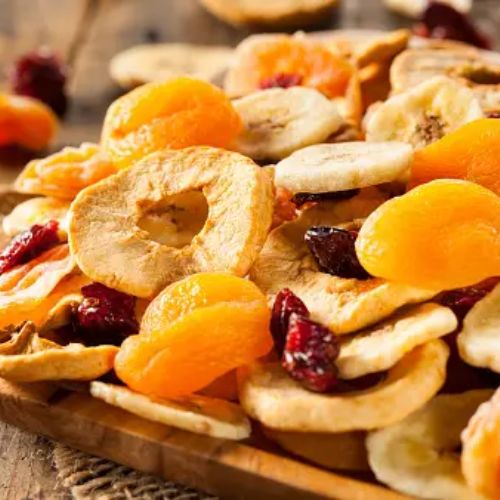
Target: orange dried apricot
441, 235
193, 332
65, 173
282, 60
26, 122
176, 113
471, 153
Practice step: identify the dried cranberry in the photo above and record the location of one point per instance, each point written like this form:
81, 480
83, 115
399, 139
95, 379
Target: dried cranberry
105, 316
442, 21
285, 304
334, 252
300, 198
493, 114
310, 352
461, 300
28, 245
283, 80
41, 75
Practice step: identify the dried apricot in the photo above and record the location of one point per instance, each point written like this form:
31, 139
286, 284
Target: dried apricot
263, 61
175, 114
442, 235
471, 153
65, 173
196, 330
26, 122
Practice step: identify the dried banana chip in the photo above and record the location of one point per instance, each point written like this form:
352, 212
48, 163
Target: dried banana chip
418, 454
27, 357
270, 395
344, 305
381, 346
479, 341
199, 414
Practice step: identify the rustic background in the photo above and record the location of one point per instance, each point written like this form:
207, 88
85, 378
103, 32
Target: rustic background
87, 33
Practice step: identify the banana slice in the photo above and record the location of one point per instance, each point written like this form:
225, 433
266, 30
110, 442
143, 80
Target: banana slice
424, 113
36, 211
479, 341
340, 451
161, 61
382, 346
417, 455
199, 414
278, 121
340, 167
344, 305
415, 8
477, 69
481, 449
269, 395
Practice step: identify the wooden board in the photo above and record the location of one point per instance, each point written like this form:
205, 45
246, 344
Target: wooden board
225, 468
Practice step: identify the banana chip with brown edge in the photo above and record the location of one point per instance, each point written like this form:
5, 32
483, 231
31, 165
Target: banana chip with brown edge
112, 245
479, 341
381, 346
344, 305
194, 413
418, 456
27, 357
268, 394
340, 451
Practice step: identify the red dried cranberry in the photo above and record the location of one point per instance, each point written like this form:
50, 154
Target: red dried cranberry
300, 198
310, 352
28, 245
41, 75
334, 252
283, 80
461, 300
442, 21
493, 114
286, 303
105, 316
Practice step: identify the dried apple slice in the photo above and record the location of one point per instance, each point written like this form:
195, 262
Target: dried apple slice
112, 246
200, 414
26, 357
269, 395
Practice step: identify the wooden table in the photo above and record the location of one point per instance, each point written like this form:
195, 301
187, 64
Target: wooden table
87, 33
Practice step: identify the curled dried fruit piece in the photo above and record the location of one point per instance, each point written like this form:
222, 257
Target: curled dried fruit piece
418, 454
26, 122
175, 113
269, 395
131, 259
173, 356
65, 173
441, 235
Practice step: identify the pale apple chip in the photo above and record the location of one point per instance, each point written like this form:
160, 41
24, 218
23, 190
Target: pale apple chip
27, 357
381, 346
479, 340
340, 451
344, 305
194, 413
268, 394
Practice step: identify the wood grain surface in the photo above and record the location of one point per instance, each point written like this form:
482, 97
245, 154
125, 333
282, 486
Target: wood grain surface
86, 33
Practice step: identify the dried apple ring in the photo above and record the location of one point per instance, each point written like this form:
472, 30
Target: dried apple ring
111, 246
269, 395
65, 173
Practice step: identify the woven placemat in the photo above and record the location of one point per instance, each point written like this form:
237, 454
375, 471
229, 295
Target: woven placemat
89, 477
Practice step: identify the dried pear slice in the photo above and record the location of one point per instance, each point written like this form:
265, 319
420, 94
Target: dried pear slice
111, 246
269, 395
344, 305
418, 454
26, 357
381, 346
199, 414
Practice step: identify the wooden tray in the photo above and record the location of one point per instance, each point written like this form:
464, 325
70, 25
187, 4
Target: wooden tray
225, 468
